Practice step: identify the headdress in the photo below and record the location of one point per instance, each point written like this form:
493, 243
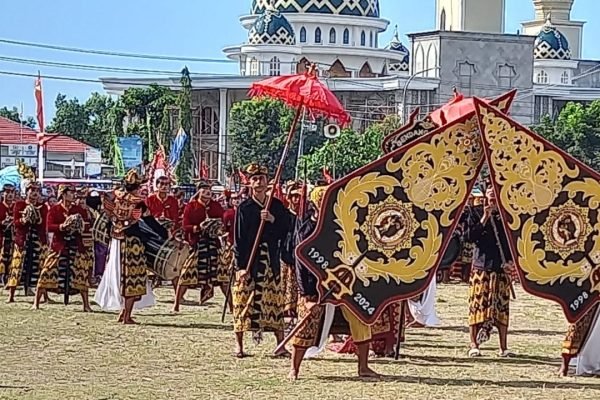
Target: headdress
203, 184
25, 170
133, 178
255, 169
62, 189
317, 194
8, 187
295, 188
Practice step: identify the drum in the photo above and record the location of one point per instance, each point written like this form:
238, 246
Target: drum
212, 228
101, 229
453, 251
165, 256
74, 223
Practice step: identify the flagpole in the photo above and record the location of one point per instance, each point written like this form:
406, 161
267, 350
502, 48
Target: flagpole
41, 141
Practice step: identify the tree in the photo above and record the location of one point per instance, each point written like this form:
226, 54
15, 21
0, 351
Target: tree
258, 129
350, 150
184, 169
13, 115
576, 131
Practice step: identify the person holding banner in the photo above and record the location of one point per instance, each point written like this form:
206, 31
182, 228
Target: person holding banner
257, 295
308, 303
581, 346
490, 284
65, 270
288, 270
30, 240
6, 228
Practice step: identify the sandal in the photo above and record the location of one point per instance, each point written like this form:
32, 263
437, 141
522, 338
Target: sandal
240, 354
506, 354
474, 353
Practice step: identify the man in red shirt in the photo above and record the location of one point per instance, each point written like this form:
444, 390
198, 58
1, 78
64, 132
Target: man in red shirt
65, 269
226, 252
202, 224
165, 208
6, 228
29, 240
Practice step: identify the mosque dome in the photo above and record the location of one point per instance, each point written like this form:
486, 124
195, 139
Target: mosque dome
272, 27
357, 8
396, 45
551, 44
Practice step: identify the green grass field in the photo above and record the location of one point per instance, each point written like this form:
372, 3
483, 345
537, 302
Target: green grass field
60, 353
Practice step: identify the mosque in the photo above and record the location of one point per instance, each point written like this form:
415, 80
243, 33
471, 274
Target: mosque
468, 49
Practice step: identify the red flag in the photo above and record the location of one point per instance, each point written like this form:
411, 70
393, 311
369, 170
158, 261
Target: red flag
203, 170
327, 176
40, 107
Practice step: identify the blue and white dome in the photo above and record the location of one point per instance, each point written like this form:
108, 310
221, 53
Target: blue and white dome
271, 27
551, 44
396, 45
359, 8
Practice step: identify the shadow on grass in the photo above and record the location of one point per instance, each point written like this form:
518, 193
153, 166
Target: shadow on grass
386, 361
534, 332
217, 327
522, 359
533, 384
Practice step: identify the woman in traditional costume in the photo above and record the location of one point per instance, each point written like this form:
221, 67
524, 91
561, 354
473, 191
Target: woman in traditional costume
66, 268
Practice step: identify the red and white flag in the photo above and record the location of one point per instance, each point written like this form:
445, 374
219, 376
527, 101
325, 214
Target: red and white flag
40, 108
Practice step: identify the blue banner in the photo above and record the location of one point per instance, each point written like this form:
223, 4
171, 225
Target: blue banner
131, 149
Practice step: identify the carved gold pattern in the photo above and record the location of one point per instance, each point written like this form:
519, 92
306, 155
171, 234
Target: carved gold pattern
436, 173
529, 177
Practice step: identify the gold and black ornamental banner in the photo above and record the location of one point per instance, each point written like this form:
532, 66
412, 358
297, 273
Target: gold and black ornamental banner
549, 203
383, 229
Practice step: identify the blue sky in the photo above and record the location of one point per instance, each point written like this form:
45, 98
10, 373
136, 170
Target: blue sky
186, 28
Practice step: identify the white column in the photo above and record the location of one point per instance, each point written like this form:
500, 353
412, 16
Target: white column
222, 157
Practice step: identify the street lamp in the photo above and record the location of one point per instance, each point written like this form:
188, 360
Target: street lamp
408, 81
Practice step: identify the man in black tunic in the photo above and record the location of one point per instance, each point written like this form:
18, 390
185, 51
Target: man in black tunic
257, 293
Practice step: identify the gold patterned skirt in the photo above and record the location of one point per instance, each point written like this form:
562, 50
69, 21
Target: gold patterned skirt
309, 334
200, 268
489, 298
133, 267
6, 250
68, 268
578, 332
290, 289
25, 263
226, 260
258, 303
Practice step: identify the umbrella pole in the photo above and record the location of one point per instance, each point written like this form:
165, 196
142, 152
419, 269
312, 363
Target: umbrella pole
276, 180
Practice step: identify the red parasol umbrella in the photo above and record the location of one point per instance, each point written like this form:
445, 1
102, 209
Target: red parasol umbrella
303, 90
456, 108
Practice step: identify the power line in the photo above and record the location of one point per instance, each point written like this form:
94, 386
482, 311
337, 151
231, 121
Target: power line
114, 53
90, 67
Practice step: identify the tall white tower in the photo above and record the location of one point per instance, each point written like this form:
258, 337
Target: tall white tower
470, 15
560, 13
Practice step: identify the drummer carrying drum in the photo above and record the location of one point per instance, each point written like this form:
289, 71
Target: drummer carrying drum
65, 269
203, 225
165, 208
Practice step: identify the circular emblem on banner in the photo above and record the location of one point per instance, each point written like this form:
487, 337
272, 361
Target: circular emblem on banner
566, 229
390, 226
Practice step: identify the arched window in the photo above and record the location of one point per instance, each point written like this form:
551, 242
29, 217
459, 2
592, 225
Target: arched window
332, 35
443, 20
564, 78
346, 36
275, 67
318, 35
303, 35
363, 38
253, 67
542, 77
371, 39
